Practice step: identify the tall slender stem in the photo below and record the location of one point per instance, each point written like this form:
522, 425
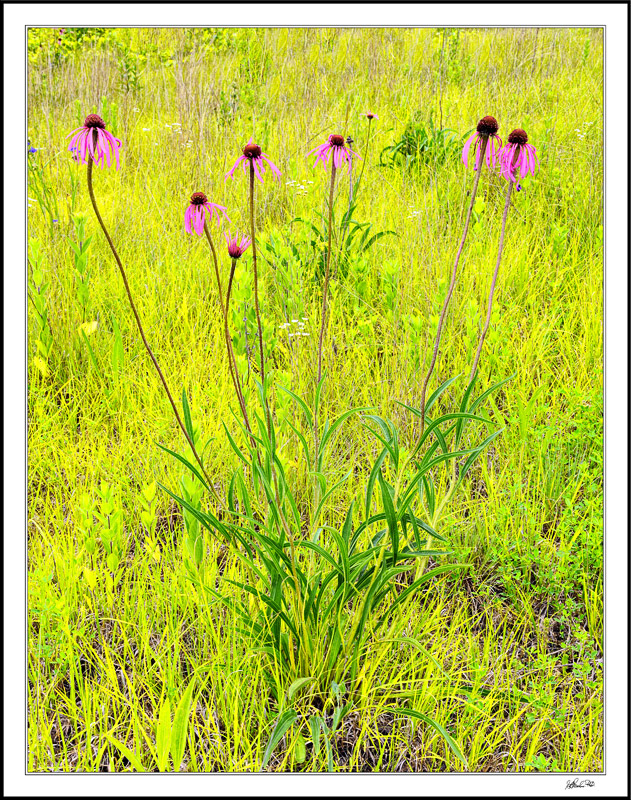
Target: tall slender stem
361, 174
256, 280
142, 333
483, 143
231, 358
232, 364
328, 270
214, 252
509, 191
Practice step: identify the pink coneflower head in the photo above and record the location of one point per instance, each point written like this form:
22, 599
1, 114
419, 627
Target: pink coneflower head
95, 141
487, 129
335, 145
370, 115
253, 154
237, 248
196, 213
518, 158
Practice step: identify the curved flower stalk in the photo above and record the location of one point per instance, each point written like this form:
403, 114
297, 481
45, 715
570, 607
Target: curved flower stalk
92, 142
236, 248
486, 129
256, 158
517, 159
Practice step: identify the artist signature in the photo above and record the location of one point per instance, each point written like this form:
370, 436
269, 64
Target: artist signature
576, 784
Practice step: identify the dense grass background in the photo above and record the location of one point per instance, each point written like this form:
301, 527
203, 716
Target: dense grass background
522, 627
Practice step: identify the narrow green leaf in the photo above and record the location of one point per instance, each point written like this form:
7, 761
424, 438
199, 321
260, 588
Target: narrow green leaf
125, 751
180, 726
283, 723
453, 746
296, 685
163, 736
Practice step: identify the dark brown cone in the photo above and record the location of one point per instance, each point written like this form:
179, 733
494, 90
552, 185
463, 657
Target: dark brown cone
198, 199
336, 140
488, 126
518, 136
94, 121
252, 151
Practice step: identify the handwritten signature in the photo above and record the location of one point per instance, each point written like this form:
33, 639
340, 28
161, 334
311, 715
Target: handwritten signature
576, 784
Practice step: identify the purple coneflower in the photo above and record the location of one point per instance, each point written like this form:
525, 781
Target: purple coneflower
486, 129
94, 140
370, 115
237, 248
196, 213
341, 154
253, 154
517, 158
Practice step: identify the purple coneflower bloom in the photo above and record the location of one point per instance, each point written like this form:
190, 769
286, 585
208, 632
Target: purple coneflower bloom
335, 145
252, 153
370, 115
196, 213
487, 128
237, 248
94, 140
517, 158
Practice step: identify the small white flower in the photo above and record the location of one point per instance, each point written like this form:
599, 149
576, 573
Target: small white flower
136, 110
294, 334
145, 129
304, 334
305, 318
301, 324
294, 320
166, 125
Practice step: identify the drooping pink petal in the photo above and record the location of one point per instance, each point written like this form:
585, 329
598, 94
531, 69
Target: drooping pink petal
466, 148
273, 167
187, 219
230, 173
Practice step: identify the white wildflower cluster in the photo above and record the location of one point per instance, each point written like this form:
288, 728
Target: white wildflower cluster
582, 132
300, 188
295, 327
414, 214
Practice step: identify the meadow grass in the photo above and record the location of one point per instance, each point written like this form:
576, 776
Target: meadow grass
511, 658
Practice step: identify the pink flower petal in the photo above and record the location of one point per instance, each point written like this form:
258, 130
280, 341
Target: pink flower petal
466, 148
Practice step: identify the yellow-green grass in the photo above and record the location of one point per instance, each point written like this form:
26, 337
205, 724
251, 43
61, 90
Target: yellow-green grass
522, 626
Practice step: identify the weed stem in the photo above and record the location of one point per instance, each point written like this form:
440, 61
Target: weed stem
483, 144
509, 191
142, 334
326, 277
256, 280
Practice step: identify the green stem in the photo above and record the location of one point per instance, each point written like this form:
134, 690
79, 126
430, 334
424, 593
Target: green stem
484, 141
144, 338
326, 277
256, 280
493, 282
361, 174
